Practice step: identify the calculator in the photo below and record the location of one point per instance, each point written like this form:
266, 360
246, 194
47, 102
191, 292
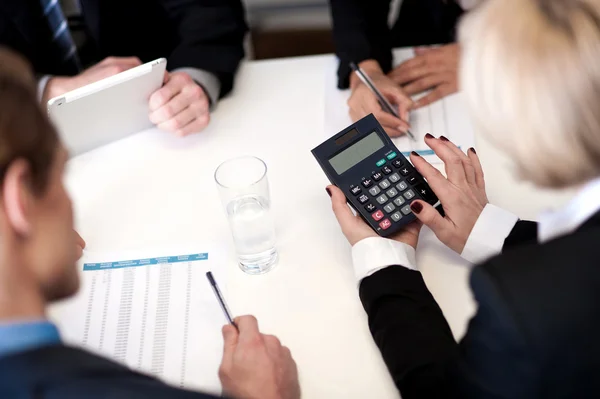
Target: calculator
378, 181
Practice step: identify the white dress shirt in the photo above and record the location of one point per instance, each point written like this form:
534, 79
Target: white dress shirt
487, 237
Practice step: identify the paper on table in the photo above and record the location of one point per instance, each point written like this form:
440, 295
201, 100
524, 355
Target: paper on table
447, 117
157, 314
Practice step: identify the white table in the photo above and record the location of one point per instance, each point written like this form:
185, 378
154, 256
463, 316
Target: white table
154, 190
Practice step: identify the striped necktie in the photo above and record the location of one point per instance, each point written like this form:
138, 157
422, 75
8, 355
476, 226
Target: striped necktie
61, 36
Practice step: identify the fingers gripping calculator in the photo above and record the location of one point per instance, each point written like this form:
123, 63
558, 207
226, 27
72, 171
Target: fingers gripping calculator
378, 181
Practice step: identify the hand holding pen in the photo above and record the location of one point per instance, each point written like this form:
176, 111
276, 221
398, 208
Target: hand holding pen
364, 100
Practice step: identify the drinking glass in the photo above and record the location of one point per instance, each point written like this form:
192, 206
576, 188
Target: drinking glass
244, 191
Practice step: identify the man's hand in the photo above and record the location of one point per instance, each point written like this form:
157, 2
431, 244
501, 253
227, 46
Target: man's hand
433, 69
110, 66
256, 365
181, 106
363, 102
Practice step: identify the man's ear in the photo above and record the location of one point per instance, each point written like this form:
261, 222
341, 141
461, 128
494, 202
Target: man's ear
17, 196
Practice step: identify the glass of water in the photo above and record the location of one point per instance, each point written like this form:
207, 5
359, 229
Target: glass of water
244, 190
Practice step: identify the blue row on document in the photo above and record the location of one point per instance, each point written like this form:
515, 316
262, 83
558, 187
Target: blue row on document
144, 262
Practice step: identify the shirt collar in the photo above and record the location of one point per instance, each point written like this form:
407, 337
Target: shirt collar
21, 336
567, 219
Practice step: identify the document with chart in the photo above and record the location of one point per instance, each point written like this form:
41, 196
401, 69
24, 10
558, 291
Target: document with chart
157, 314
447, 117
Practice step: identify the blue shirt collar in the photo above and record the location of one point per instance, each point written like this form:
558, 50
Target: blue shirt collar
27, 335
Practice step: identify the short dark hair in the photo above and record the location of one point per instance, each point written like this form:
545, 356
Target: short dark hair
25, 131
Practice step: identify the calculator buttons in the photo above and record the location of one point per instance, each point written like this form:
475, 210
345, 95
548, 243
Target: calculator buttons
409, 194
406, 209
413, 180
385, 224
355, 190
367, 183
399, 201
380, 163
363, 198
370, 207
404, 171
392, 192
386, 170
382, 199
391, 156
377, 215
426, 193
385, 184
396, 216
397, 163
374, 191
389, 208
394, 178
401, 186
377, 176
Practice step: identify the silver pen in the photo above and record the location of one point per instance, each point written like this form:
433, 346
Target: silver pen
385, 104
220, 298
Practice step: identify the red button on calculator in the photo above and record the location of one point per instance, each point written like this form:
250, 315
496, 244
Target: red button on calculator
377, 215
385, 224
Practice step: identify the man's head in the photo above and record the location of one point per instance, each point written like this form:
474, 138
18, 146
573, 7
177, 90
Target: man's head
37, 241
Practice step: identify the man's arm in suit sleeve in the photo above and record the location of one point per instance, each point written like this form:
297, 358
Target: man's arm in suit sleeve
211, 34
361, 32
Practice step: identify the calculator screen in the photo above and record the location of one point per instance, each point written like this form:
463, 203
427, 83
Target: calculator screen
356, 153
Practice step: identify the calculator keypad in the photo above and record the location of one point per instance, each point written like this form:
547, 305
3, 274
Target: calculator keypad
374, 190
385, 184
377, 216
382, 199
363, 198
390, 192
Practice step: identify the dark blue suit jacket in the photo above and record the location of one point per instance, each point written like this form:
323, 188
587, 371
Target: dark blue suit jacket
535, 333
61, 372
204, 34
361, 30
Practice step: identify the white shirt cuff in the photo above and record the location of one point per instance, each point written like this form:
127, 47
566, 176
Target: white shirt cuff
488, 235
41, 86
209, 82
375, 253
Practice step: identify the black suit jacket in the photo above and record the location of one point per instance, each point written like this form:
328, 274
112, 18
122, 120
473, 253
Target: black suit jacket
535, 333
60, 372
361, 30
204, 34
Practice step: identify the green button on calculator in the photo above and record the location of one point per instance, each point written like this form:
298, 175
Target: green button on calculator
381, 162
391, 156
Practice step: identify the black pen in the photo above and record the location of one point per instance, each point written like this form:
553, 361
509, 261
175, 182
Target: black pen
385, 104
220, 298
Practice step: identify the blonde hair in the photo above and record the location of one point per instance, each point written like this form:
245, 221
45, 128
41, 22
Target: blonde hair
530, 70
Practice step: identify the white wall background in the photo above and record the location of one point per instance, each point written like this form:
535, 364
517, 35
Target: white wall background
292, 14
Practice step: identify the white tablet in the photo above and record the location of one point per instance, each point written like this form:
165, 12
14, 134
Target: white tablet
107, 110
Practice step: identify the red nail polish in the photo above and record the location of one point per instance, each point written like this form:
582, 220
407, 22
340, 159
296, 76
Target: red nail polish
416, 154
328, 191
428, 136
443, 138
416, 207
